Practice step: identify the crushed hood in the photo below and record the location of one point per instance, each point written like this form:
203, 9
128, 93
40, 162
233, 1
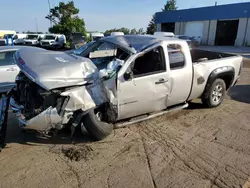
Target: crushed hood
53, 70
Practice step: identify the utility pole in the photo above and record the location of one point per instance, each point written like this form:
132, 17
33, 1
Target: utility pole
49, 13
36, 25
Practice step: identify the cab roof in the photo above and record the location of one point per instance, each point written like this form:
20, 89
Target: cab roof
137, 43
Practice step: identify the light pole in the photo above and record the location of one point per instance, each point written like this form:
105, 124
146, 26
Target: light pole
49, 13
36, 25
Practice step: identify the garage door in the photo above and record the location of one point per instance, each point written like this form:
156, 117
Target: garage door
194, 29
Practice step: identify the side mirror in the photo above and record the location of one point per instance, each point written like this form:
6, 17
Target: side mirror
127, 75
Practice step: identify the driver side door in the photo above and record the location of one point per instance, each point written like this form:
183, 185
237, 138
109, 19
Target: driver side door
148, 87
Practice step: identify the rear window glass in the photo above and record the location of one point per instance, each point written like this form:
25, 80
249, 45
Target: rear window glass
176, 57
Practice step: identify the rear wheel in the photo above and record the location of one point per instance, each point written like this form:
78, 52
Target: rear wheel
215, 95
95, 126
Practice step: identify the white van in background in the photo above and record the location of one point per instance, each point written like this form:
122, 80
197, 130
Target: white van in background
96, 36
117, 34
32, 39
164, 34
53, 40
19, 38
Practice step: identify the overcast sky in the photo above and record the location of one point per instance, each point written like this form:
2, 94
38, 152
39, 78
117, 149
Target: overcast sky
99, 15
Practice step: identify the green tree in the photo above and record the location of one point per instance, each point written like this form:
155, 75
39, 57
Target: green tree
123, 29
170, 5
151, 26
133, 31
66, 20
140, 31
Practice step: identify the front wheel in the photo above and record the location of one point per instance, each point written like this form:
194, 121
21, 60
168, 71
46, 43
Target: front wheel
95, 126
215, 95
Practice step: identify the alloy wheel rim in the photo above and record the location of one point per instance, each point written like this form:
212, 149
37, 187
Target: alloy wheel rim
217, 93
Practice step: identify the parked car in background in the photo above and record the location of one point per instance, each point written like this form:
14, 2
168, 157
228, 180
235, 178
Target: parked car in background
60, 42
8, 67
197, 38
19, 38
32, 39
192, 43
76, 40
53, 41
96, 36
164, 34
117, 34
117, 81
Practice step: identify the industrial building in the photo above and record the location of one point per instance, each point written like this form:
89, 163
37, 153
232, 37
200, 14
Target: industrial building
215, 25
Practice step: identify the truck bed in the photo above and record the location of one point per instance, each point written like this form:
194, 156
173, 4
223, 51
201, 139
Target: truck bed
203, 55
205, 62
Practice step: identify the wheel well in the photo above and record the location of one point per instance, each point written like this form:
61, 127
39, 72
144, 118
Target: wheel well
228, 79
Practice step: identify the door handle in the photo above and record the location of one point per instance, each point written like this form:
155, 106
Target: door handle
161, 81
10, 69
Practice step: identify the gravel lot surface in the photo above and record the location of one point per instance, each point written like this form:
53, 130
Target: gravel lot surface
196, 147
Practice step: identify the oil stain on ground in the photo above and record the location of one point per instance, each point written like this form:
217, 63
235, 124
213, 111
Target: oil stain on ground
77, 153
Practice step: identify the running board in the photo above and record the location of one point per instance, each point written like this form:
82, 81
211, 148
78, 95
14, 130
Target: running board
125, 124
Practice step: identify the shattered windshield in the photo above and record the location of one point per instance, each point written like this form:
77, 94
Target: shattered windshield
82, 48
102, 53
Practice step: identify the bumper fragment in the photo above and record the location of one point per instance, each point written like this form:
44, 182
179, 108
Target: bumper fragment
44, 121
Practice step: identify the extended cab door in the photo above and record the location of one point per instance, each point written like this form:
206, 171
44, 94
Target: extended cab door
8, 70
144, 86
180, 71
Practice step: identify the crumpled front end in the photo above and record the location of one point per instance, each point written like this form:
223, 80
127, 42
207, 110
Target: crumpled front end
44, 121
39, 109
60, 89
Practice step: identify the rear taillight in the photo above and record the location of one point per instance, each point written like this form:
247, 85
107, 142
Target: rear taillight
21, 61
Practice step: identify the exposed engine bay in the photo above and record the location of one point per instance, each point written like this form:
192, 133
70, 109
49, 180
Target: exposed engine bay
32, 97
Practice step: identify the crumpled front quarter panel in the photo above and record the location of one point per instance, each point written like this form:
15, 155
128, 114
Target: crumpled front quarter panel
85, 97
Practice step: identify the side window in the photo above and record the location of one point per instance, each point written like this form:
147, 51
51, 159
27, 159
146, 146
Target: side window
176, 57
6, 58
150, 63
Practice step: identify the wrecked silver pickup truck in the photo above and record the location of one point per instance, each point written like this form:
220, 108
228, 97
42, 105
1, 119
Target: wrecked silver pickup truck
115, 82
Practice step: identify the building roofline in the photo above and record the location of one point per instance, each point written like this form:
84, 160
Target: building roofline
228, 11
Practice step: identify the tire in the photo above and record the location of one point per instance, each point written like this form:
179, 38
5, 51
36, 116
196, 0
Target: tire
98, 129
215, 94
